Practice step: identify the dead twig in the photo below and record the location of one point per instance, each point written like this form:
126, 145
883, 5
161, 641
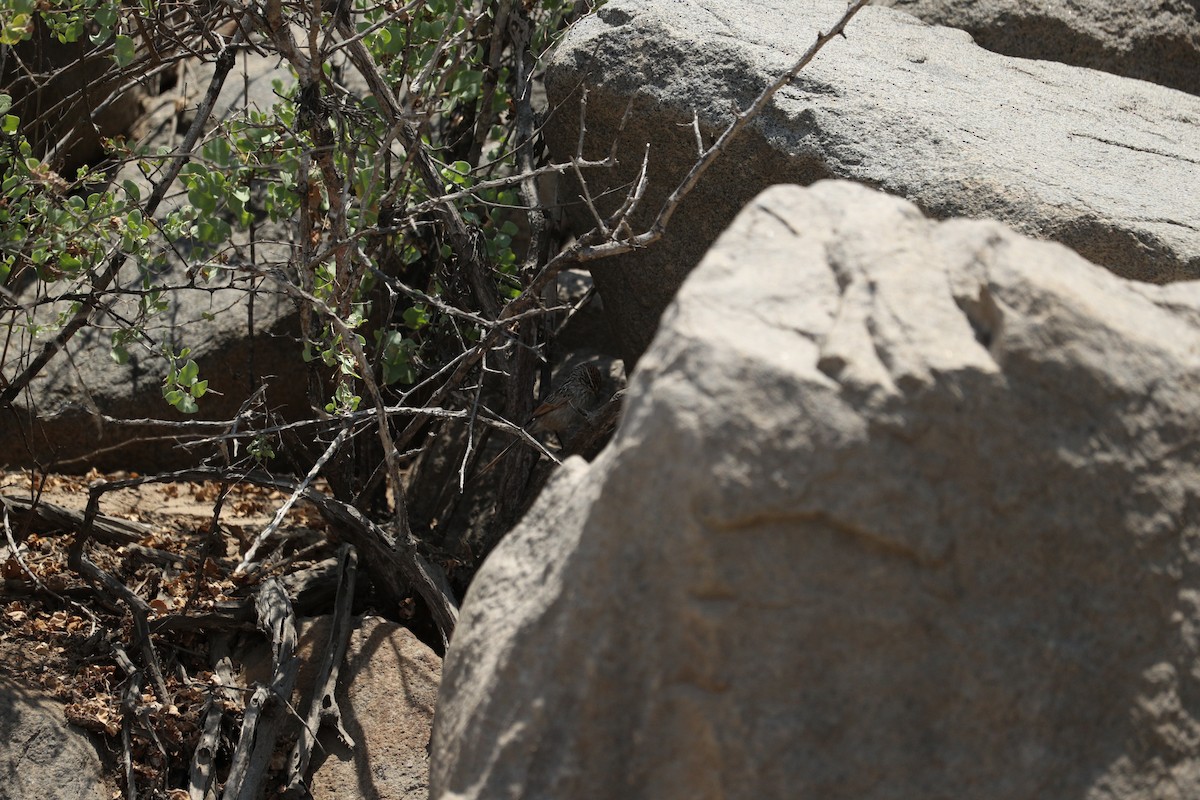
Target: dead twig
262, 720
139, 609
200, 775
392, 562
323, 708
252, 550
45, 517
129, 702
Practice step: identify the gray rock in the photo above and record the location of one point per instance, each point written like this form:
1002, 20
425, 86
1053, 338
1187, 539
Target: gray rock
392, 684
59, 423
899, 508
1105, 165
386, 692
1147, 39
41, 757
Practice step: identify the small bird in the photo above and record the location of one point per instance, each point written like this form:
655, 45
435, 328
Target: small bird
568, 406
571, 402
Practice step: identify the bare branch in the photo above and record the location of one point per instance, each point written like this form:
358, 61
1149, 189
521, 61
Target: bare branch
252, 550
741, 120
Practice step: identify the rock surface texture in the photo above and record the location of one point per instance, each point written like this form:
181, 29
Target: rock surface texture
899, 508
41, 757
1103, 164
391, 682
1148, 39
387, 688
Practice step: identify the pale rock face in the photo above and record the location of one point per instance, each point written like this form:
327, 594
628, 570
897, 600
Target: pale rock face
386, 699
1101, 163
1148, 39
899, 508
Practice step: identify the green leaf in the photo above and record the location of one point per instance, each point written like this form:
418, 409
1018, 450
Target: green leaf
199, 388
458, 173
187, 405
261, 448
402, 373
125, 51
132, 190
189, 373
100, 37
106, 15
201, 198
466, 84
5, 103
17, 29
416, 317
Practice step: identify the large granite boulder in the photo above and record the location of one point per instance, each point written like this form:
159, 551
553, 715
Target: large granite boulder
899, 508
1148, 39
61, 421
1103, 164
